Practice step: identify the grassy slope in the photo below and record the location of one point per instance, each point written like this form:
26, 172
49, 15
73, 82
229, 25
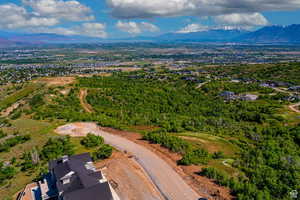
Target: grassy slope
9, 100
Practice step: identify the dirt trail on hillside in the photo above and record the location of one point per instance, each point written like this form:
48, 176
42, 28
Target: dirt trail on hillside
11, 108
168, 182
82, 97
295, 107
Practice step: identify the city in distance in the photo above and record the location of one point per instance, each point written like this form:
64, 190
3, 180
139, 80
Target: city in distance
149, 100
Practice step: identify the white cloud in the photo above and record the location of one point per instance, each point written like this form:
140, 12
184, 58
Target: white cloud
14, 17
155, 8
149, 27
86, 29
193, 28
247, 20
67, 10
135, 28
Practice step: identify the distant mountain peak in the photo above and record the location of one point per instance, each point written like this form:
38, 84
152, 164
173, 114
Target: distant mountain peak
274, 34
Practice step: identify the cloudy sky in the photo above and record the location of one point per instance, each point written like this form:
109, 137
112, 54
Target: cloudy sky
129, 18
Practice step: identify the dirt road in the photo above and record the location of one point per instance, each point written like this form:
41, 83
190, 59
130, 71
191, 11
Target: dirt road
168, 182
82, 97
295, 107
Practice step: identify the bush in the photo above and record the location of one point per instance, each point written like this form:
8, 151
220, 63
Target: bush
92, 141
218, 155
2, 134
105, 151
6, 173
198, 156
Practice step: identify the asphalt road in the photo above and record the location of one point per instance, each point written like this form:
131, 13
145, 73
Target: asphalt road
168, 182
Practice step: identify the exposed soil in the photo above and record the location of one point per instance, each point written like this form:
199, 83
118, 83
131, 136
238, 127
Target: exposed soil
82, 97
10, 109
128, 178
170, 184
295, 107
203, 186
188, 173
56, 81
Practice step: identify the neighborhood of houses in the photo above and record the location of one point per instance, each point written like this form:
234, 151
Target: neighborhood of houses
71, 178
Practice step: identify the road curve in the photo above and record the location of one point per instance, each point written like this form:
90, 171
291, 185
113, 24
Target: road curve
170, 184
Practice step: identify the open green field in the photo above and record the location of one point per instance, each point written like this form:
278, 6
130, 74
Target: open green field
211, 143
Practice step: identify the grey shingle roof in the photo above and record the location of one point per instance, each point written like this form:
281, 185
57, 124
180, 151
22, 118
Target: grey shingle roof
84, 183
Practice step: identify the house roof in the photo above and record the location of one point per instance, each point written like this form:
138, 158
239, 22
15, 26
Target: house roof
96, 192
82, 179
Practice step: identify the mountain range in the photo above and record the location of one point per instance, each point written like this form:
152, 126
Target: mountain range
266, 35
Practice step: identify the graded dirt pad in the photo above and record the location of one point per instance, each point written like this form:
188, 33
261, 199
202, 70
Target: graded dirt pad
174, 182
128, 178
170, 184
56, 81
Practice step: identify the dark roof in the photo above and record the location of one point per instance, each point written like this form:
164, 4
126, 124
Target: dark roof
82, 180
97, 192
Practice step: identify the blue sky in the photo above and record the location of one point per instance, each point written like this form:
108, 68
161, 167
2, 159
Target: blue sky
130, 18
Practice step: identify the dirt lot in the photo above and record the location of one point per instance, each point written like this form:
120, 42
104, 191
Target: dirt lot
56, 81
122, 168
161, 169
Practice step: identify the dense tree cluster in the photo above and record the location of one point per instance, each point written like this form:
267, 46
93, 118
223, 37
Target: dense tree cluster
271, 167
57, 147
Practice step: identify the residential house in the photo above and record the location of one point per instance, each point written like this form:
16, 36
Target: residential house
75, 178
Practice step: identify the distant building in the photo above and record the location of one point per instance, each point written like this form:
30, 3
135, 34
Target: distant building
295, 88
75, 178
227, 95
265, 85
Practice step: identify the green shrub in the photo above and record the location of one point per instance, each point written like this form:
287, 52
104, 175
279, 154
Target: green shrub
218, 155
105, 151
92, 140
6, 173
2, 134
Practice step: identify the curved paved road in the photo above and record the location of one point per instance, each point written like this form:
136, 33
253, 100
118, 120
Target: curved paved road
170, 184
